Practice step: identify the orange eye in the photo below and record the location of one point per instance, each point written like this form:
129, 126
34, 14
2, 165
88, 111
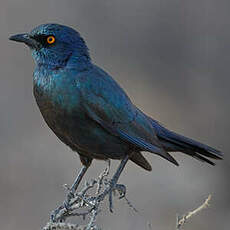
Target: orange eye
50, 39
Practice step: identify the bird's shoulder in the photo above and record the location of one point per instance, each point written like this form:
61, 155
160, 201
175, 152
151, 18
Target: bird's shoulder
98, 82
101, 92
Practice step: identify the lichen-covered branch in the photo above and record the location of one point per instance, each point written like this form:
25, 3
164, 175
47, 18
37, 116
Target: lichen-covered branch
63, 226
86, 203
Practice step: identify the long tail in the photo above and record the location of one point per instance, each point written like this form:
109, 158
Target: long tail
172, 141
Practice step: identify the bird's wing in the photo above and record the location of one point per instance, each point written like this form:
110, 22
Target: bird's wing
107, 104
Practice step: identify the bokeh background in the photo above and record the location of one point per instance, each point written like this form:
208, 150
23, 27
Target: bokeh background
172, 58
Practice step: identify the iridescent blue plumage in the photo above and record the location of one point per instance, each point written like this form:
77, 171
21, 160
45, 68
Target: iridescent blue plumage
89, 111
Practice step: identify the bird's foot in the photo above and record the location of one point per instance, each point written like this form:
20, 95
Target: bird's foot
110, 191
121, 189
55, 213
69, 197
66, 205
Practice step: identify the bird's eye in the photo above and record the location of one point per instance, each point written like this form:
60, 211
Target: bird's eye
50, 39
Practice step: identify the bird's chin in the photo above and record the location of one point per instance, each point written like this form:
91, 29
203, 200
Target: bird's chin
37, 56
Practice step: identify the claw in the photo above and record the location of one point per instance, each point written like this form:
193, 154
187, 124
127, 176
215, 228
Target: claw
70, 195
111, 202
53, 216
66, 205
121, 189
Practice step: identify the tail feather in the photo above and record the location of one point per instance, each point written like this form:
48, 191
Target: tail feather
191, 144
177, 142
198, 157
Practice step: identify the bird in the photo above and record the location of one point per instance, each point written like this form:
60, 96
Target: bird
90, 112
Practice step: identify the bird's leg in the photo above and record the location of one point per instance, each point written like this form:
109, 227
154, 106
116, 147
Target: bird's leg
74, 186
70, 195
86, 163
113, 183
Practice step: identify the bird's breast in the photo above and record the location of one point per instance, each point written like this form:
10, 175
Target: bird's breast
60, 108
56, 88
60, 104
57, 98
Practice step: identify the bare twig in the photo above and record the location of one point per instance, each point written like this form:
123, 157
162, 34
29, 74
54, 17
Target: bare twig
102, 176
182, 220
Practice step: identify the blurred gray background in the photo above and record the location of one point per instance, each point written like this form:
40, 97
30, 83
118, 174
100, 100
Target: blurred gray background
172, 58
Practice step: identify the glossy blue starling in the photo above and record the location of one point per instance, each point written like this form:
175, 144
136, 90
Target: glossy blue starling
87, 109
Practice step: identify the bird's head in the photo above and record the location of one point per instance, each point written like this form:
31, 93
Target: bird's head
55, 46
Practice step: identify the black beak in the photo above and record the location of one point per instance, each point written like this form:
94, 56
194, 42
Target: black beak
27, 39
